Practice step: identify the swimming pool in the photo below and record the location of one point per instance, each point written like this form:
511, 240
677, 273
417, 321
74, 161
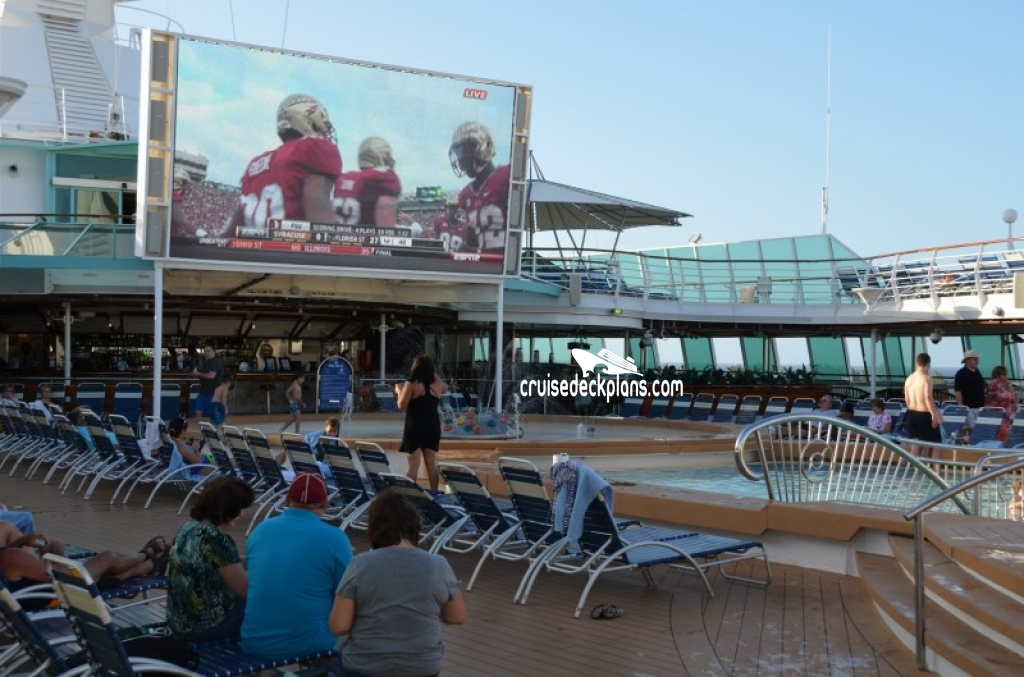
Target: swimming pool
720, 480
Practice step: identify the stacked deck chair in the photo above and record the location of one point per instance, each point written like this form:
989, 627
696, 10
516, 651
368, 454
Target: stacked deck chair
48, 444
354, 491
593, 544
108, 654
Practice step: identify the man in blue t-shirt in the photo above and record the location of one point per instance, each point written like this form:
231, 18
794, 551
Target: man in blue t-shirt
295, 562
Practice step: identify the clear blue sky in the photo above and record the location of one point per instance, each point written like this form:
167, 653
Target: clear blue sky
718, 108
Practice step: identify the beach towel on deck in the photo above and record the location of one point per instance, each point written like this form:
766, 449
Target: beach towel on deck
575, 486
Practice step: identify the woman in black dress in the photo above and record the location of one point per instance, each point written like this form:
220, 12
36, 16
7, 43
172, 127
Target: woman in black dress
419, 399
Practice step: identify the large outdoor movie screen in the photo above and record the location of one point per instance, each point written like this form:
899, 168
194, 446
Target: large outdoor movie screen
303, 160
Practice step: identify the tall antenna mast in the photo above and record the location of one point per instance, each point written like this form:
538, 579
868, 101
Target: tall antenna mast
828, 121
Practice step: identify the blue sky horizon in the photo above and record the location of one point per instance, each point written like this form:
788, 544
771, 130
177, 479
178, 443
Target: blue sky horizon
719, 109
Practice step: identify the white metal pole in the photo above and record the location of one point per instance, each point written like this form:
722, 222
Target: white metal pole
158, 337
500, 339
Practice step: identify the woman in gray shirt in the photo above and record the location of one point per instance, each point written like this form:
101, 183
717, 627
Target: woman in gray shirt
392, 600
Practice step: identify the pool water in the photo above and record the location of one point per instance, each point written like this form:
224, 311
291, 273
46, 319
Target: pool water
725, 480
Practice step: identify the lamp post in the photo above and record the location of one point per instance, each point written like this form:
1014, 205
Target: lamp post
1010, 217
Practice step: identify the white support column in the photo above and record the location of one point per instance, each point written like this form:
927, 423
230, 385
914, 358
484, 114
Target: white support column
873, 352
68, 320
158, 337
500, 340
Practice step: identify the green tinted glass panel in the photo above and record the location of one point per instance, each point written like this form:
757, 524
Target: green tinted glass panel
828, 355
698, 353
780, 268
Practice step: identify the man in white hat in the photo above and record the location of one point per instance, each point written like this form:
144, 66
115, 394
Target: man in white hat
969, 387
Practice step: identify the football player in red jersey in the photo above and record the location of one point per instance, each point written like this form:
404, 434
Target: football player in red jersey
295, 180
451, 227
369, 196
485, 199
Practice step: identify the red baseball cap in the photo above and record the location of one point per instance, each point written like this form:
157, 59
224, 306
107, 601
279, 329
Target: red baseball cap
308, 489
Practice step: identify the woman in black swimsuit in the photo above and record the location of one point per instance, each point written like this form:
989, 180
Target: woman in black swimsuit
419, 399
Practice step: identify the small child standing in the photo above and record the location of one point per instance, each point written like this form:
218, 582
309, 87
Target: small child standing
219, 404
294, 396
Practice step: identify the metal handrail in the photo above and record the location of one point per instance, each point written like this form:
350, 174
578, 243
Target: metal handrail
917, 513
817, 442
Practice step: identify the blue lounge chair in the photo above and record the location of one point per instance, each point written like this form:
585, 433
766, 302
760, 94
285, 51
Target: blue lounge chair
91, 395
385, 397
604, 547
489, 518
701, 410
747, 412
681, 407
726, 408
441, 523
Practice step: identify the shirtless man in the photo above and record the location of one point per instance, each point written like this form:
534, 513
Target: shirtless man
294, 395
923, 417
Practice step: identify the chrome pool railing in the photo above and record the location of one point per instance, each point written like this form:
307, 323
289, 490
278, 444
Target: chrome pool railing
995, 475
810, 457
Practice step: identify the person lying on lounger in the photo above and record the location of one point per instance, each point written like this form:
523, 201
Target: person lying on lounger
22, 566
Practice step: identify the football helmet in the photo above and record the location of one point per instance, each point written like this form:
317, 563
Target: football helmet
303, 115
181, 177
472, 149
375, 152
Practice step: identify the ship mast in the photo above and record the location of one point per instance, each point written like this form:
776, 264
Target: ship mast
828, 121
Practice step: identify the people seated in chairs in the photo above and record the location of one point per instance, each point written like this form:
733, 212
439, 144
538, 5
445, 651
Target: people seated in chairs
9, 398
295, 562
879, 421
208, 585
393, 599
21, 561
43, 402
184, 452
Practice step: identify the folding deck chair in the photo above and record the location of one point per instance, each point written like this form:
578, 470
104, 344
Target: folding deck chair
986, 427
862, 412
750, 405
488, 517
702, 407
1016, 439
726, 408
776, 405
275, 484
128, 401
375, 462
354, 490
631, 407
170, 401
96, 632
681, 407
385, 397
92, 395
441, 523
604, 547
658, 408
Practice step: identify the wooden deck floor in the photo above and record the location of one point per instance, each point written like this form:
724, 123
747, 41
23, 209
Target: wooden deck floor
805, 623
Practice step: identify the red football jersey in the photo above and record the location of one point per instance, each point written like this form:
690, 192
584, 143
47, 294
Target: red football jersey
272, 183
452, 233
486, 209
356, 194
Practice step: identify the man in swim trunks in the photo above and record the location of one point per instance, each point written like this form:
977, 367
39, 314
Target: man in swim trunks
294, 395
923, 416
219, 406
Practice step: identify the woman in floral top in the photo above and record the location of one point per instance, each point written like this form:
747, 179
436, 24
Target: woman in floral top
208, 585
1000, 393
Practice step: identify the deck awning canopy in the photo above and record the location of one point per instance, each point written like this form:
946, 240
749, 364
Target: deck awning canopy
556, 206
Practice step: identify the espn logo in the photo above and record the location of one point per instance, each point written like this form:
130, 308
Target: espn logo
470, 93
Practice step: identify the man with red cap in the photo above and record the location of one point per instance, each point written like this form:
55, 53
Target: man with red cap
295, 562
